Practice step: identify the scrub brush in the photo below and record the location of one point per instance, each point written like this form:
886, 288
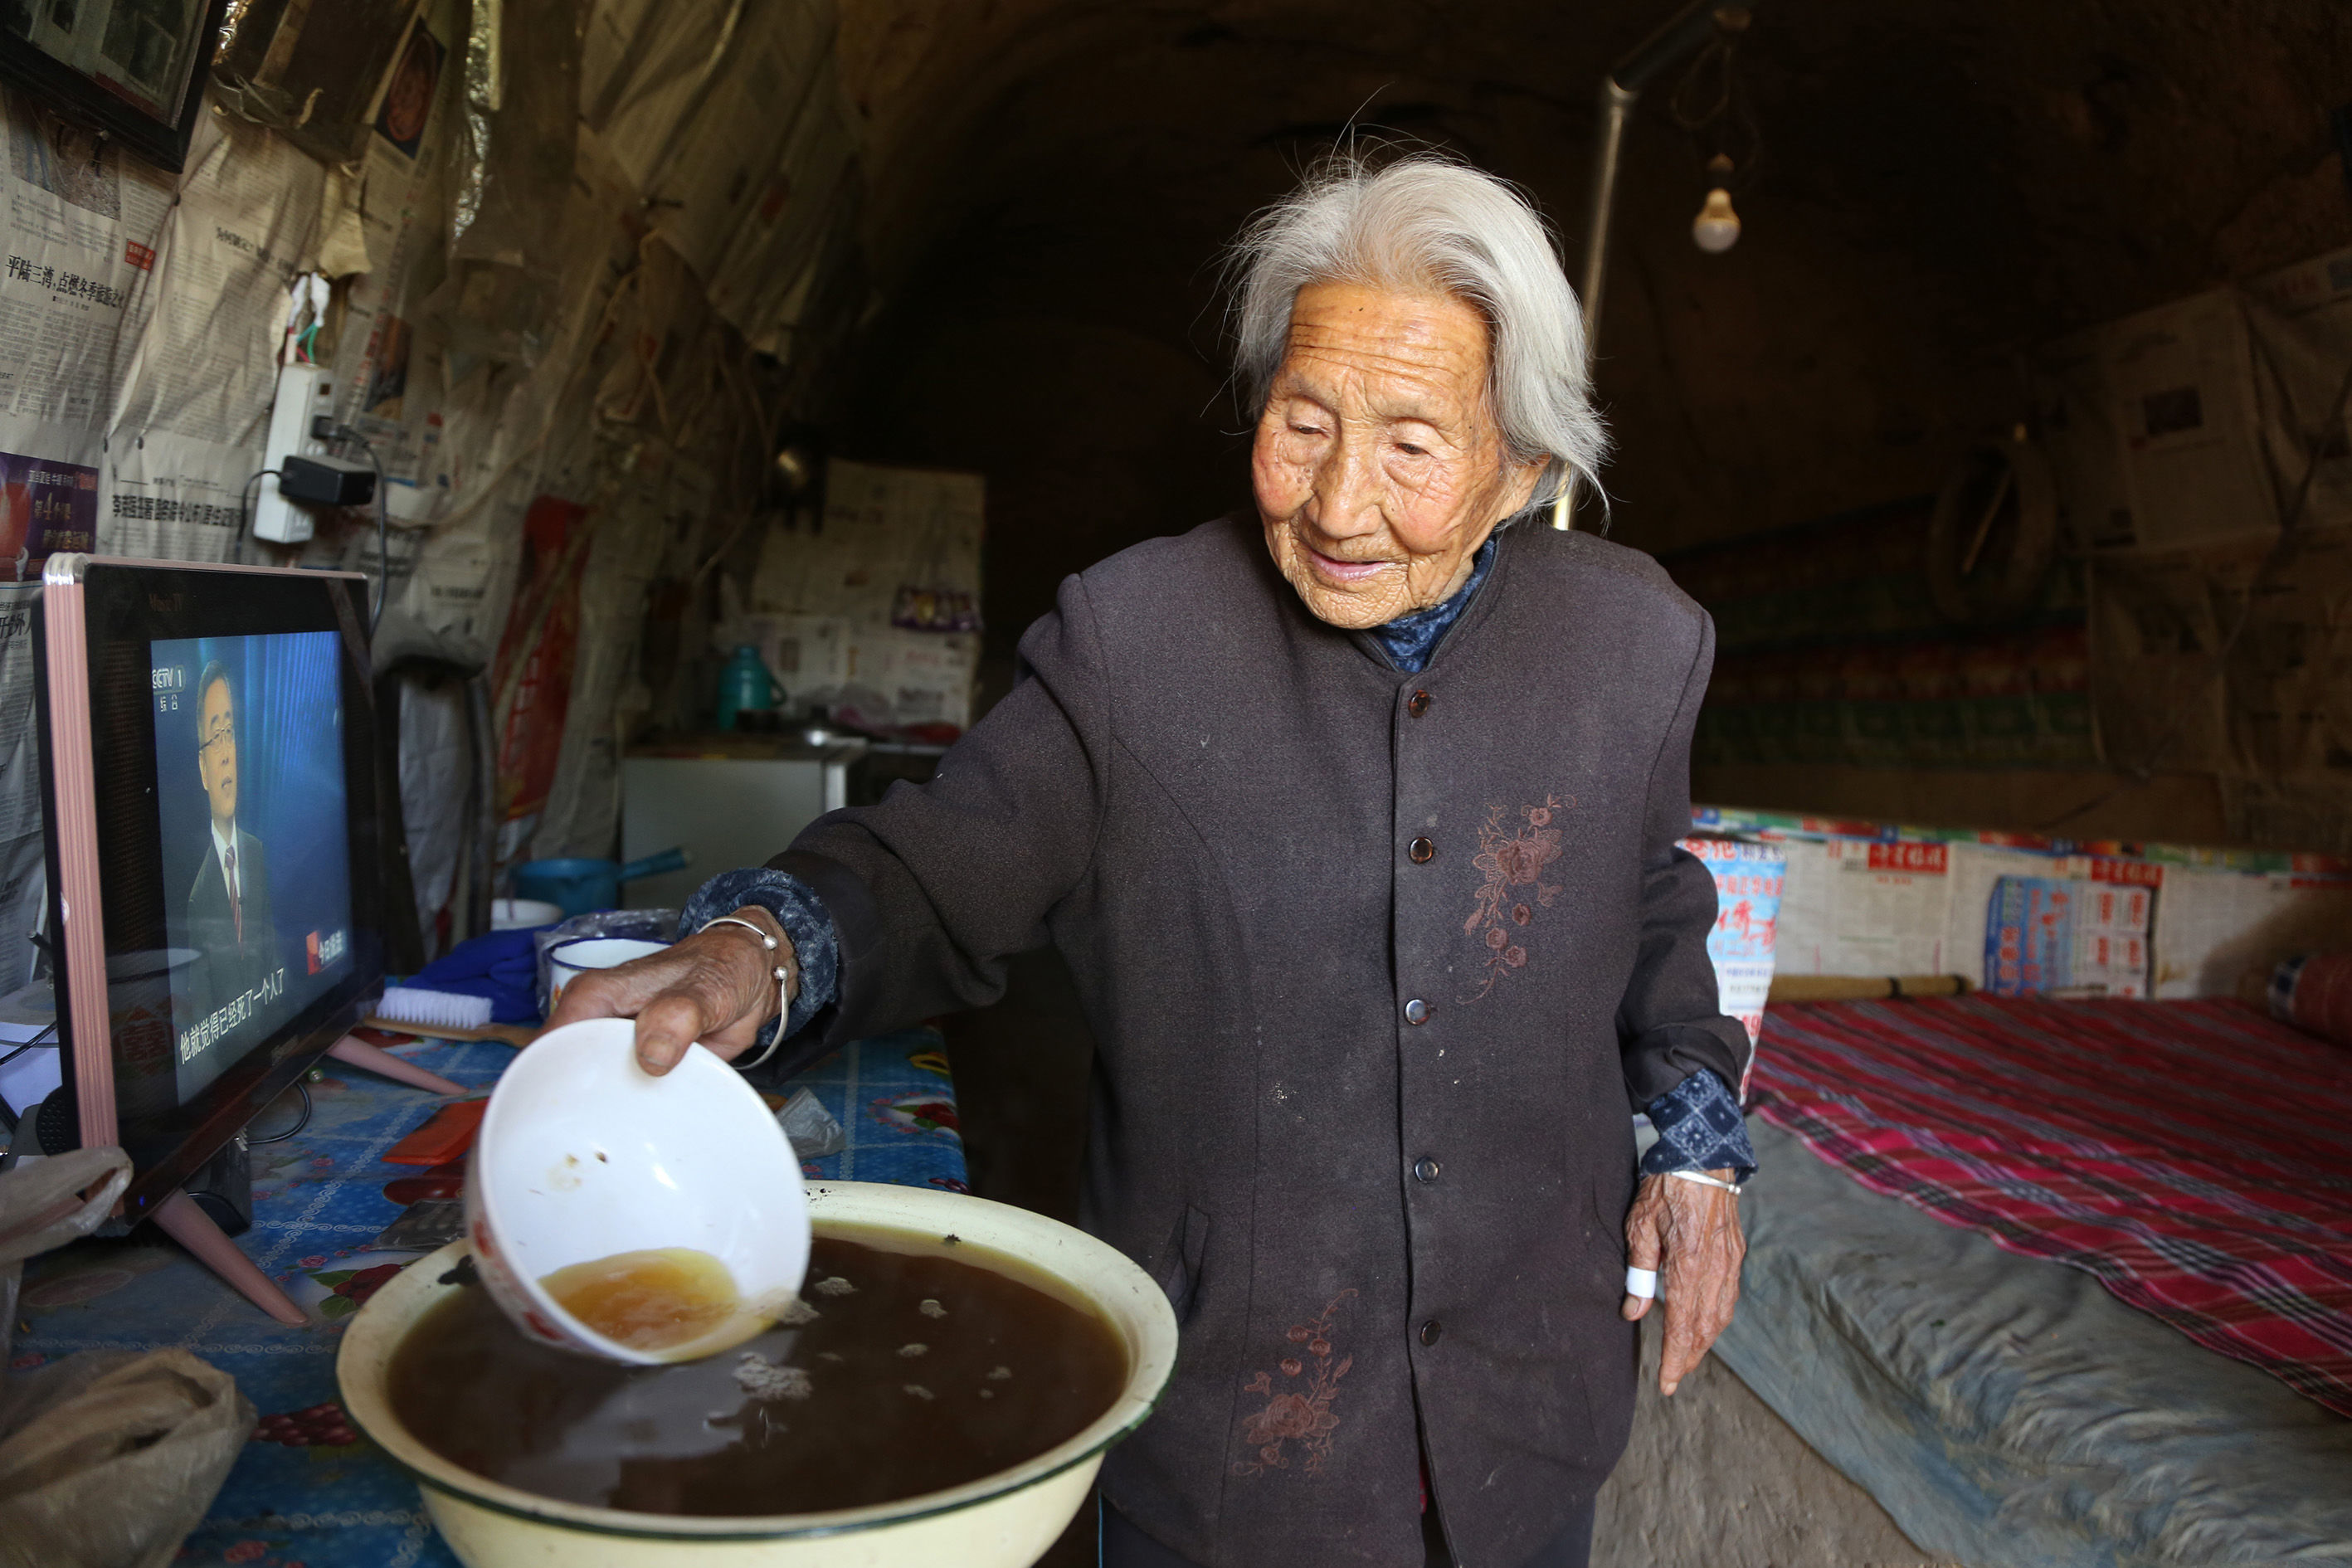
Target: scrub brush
442, 1015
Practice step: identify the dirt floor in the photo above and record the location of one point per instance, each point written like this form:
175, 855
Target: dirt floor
1713, 1479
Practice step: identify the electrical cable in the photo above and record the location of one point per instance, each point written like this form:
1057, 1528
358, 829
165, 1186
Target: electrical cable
304, 1120
2144, 772
29, 1045
1728, 116
245, 506
1719, 52
383, 526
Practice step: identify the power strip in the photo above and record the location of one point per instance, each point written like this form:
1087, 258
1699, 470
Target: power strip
303, 394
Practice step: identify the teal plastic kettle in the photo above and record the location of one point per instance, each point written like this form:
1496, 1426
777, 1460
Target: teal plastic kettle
745, 683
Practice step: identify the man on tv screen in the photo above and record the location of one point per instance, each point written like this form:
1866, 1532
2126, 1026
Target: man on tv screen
228, 908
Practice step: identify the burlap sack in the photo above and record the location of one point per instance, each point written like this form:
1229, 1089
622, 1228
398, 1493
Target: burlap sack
108, 1459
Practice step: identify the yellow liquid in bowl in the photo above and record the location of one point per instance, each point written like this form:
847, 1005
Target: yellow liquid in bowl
663, 1300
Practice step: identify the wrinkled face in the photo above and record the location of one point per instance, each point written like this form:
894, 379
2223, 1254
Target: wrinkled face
217, 751
1378, 467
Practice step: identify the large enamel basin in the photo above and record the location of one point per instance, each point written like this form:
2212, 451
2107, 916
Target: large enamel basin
1003, 1520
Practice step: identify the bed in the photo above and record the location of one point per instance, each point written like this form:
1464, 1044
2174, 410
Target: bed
1957, 1200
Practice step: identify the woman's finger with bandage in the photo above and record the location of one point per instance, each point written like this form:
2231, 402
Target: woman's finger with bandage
1645, 1247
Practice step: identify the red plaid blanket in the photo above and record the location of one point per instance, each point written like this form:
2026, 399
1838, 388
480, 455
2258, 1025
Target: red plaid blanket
2195, 1157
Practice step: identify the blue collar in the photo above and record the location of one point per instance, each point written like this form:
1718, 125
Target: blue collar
1410, 639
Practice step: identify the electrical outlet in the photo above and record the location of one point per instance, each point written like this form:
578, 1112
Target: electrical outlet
304, 393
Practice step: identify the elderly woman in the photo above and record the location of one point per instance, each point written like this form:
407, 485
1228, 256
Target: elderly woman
1356, 823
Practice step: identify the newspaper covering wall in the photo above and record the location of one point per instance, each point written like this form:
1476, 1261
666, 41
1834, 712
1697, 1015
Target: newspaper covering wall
108, 436
784, 223
2208, 918
581, 815
729, 168
202, 373
1851, 908
1915, 907
142, 319
386, 380
876, 611
2214, 928
885, 532
80, 224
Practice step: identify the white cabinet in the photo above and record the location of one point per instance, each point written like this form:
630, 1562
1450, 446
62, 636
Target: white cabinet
725, 811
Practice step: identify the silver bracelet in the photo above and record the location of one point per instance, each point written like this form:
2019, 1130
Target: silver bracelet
783, 977
1704, 1180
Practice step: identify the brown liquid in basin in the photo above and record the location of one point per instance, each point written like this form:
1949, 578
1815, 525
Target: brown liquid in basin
921, 1369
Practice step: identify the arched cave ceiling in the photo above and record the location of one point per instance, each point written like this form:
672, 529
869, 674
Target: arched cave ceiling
1942, 186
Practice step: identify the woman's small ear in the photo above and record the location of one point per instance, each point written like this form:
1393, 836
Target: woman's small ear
1525, 478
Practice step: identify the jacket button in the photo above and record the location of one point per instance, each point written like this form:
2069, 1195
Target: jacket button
1417, 704
1424, 1169
1417, 1011
1421, 850
1431, 1331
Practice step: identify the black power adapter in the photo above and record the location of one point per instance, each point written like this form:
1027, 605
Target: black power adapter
325, 481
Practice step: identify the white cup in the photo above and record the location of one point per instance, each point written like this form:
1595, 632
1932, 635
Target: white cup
583, 954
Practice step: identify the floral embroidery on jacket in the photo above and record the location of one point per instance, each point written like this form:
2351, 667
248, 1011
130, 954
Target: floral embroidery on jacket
1511, 859
1297, 1410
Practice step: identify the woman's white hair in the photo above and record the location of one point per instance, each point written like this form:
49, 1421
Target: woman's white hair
1423, 221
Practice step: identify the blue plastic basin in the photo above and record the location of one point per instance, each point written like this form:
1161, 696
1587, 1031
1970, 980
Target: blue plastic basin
578, 886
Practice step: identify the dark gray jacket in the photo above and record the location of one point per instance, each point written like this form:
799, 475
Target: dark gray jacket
1378, 963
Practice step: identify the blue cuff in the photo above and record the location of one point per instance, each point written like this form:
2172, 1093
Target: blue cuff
798, 909
1699, 1129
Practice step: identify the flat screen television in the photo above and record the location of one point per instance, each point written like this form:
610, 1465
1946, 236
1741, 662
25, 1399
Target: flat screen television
209, 775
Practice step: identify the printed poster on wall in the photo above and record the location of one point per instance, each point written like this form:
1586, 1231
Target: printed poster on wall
46, 506
1749, 881
2052, 936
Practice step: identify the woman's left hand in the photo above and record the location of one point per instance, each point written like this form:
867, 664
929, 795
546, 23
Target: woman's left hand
1695, 1230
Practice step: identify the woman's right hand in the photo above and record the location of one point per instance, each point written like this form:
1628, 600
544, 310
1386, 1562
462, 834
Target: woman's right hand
717, 986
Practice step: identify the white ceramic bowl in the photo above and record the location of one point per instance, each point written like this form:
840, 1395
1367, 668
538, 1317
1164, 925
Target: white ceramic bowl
1005, 1520
567, 960
523, 914
583, 1154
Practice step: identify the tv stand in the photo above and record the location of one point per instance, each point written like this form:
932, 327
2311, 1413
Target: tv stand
180, 1217
353, 1051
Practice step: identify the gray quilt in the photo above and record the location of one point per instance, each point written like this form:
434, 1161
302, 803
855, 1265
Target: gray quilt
2008, 1411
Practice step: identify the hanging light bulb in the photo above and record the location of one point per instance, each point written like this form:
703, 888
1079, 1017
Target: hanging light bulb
1717, 227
